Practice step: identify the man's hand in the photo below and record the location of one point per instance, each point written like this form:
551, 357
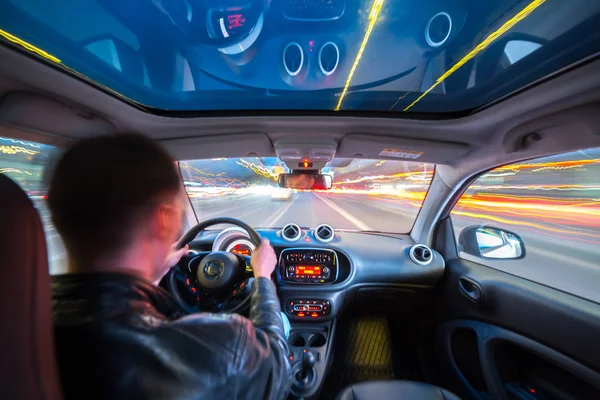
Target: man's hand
174, 255
263, 260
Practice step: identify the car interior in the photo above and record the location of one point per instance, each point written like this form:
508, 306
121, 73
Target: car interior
423, 169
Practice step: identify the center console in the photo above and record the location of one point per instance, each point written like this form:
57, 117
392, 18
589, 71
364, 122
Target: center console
303, 272
309, 266
310, 346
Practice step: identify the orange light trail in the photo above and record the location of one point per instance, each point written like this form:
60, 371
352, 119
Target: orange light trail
564, 216
520, 223
557, 165
383, 178
573, 212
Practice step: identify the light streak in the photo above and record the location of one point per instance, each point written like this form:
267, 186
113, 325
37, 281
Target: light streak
187, 166
519, 223
383, 178
257, 169
17, 149
397, 101
210, 179
482, 46
535, 187
373, 15
35, 146
14, 170
29, 47
555, 165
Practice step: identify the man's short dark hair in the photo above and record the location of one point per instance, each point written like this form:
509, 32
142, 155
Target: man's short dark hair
104, 186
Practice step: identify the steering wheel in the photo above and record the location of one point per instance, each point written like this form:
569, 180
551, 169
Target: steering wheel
221, 275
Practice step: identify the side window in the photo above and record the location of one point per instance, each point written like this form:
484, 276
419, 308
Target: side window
28, 163
539, 220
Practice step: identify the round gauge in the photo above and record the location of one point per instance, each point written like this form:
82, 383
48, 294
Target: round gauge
241, 246
235, 25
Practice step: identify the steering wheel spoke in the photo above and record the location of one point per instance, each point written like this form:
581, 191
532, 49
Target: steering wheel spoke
222, 277
249, 271
194, 260
184, 289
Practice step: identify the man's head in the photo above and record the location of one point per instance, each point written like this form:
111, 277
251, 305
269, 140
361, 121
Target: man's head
112, 195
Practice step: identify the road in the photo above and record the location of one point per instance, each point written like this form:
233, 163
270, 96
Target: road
311, 209
548, 259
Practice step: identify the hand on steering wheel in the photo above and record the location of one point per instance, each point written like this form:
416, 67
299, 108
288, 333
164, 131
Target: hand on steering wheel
221, 275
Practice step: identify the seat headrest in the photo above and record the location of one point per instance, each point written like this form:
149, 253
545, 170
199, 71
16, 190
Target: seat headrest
26, 341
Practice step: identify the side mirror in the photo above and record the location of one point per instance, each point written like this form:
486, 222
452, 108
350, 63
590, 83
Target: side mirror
491, 243
305, 181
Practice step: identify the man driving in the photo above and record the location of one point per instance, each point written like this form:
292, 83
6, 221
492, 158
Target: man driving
117, 202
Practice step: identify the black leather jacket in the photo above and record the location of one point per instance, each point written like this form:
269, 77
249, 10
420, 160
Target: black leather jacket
117, 338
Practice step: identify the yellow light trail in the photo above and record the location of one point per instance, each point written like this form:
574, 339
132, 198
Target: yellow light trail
380, 178
17, 149
556, 165
257, 169
186, 166
482, 46
373, 15
29, 46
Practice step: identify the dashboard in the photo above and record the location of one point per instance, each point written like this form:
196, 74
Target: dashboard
292, 45
328, 271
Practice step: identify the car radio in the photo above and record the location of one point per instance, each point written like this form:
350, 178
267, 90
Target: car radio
308, 265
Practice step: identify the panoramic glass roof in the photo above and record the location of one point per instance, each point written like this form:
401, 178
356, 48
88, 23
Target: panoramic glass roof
412, 56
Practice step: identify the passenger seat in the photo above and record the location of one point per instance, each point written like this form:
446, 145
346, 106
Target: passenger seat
401, 390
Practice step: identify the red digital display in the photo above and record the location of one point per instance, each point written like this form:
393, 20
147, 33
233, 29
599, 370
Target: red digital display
242, 250
308, 270
235, 21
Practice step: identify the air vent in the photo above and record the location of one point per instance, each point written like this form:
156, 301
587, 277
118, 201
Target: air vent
324, 233
421, 254
329, 58
438, 29
291, 232
293, 58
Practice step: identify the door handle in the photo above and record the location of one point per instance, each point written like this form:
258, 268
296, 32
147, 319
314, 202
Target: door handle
472, 290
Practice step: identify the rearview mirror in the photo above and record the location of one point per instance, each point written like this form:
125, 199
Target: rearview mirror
305, 181
492, 243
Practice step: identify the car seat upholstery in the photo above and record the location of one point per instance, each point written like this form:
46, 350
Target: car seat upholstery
401, 390
28, 362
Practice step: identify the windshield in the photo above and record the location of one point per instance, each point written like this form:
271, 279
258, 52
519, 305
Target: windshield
410, 56
367, 195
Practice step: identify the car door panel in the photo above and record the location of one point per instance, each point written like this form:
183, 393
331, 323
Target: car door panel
521, 337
